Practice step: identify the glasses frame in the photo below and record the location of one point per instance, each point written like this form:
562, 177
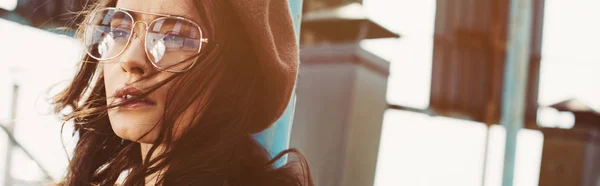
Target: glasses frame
159, 17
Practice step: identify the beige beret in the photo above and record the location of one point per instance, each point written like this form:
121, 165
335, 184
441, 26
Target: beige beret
270, 28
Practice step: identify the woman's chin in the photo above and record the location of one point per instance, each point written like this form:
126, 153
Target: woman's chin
134, 128
135, 134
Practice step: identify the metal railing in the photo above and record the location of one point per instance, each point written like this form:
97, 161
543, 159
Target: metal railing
7, 128
14, 143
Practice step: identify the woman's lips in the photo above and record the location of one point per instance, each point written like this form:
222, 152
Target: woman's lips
127, 92
134, 105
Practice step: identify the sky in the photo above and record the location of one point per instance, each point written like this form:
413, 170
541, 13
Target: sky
8, 4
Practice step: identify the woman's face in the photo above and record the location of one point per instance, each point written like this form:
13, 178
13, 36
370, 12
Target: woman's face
134, 120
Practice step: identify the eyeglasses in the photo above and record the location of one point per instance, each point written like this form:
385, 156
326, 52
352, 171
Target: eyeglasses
171, 42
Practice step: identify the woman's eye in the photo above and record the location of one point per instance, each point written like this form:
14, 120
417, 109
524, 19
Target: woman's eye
172, 37
120, 34
173, 41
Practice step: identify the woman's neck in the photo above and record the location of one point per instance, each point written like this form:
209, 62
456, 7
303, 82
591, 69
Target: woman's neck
145, 149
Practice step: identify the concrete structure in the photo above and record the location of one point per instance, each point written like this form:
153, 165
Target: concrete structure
341, 97
339, 113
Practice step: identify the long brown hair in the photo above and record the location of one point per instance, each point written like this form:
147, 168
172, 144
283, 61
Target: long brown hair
216, 149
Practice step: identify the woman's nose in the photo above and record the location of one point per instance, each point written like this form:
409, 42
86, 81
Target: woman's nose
134, 60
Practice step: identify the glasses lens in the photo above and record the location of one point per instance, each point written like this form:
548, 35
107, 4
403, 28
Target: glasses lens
172, 43
107, 33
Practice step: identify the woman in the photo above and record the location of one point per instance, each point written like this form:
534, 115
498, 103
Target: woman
171, 91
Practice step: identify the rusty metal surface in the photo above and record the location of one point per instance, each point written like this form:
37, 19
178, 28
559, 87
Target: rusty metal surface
469, 58
570, 157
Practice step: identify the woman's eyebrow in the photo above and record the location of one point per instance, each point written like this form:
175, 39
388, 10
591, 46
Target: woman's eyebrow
185, 15
137, 14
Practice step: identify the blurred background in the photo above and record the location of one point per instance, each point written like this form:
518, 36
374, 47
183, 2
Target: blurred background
390, 92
